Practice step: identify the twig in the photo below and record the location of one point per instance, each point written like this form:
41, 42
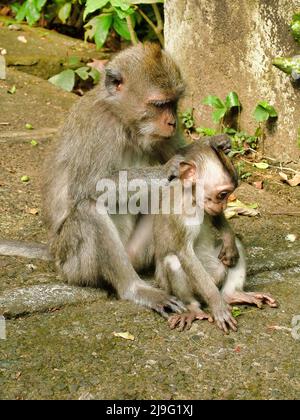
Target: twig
4, 123
281, 168
160, 25
133, 36
285, 213
152, 25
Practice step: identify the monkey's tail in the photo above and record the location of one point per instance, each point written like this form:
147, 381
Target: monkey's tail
25, 249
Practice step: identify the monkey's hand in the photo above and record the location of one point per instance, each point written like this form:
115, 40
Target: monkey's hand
223, 317
222, 142
229, 253
158, 300
184, 321
172, 167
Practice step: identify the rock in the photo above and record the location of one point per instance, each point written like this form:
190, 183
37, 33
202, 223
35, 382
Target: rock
42, 298
46, 52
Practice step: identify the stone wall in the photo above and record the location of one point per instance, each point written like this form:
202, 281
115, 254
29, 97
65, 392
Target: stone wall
225, 45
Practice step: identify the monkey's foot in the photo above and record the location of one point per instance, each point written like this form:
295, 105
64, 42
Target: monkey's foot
158, 300
252, 298
184, 321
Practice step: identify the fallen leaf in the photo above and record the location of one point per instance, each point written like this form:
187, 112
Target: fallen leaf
291, 237
236, 311
126, 335
4, 11
236, 208
25, 178
231, 198
258, 184
22, 39
12, 90
261, 165
28, 126
33, 211
278, 328
18, 375
293, 182
237, 349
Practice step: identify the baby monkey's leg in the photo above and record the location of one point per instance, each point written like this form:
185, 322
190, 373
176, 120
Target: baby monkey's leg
174, 279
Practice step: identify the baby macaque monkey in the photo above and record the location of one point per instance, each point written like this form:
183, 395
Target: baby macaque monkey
187, 255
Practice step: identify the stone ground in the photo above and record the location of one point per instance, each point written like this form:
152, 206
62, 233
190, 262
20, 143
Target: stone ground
60, 340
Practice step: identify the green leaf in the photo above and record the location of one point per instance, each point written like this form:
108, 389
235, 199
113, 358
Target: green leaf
206, 131
122, 4
269, 108
64, 80
34, 143
120, 26
144, 1
214, 101
288, 64
295, 26
261, 165
73, 61
260, 114
12, 90
232, 100
30, 10
236, 311
64, 12
123, 14
83, 72
28, 126
98, 28
92, 5
218, 114
25, 178
95, 75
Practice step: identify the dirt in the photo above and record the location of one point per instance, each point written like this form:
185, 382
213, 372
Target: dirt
60, 341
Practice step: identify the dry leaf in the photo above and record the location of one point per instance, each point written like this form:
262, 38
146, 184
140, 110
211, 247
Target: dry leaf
33, 211
293, 182
235, 208
18, 375
291, 237
231, 198
126, 335
258, 184
22, 39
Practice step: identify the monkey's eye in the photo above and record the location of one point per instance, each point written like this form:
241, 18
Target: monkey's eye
223, 195
161, 104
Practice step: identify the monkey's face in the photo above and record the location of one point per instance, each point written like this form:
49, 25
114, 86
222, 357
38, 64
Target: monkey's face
144, 85
216, 175
218, 185
159, 117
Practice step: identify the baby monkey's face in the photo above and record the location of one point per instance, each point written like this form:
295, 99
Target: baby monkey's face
217, 181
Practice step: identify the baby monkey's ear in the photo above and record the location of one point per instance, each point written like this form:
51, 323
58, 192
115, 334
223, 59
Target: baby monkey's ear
187, 171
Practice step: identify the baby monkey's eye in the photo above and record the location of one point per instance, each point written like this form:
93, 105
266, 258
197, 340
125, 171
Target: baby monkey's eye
223, 195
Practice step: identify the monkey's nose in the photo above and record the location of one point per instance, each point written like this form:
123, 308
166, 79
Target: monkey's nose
172, 124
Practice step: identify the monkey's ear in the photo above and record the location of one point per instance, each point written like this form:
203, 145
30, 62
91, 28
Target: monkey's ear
113, 80
187, 171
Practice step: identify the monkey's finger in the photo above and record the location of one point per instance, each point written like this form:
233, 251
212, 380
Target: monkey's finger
161, 310
173, 321
182, 323
267, 299
232, 323
178, 303
222, 325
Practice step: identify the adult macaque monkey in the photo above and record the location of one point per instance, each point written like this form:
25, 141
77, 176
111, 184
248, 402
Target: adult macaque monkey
186, 253
127, 122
